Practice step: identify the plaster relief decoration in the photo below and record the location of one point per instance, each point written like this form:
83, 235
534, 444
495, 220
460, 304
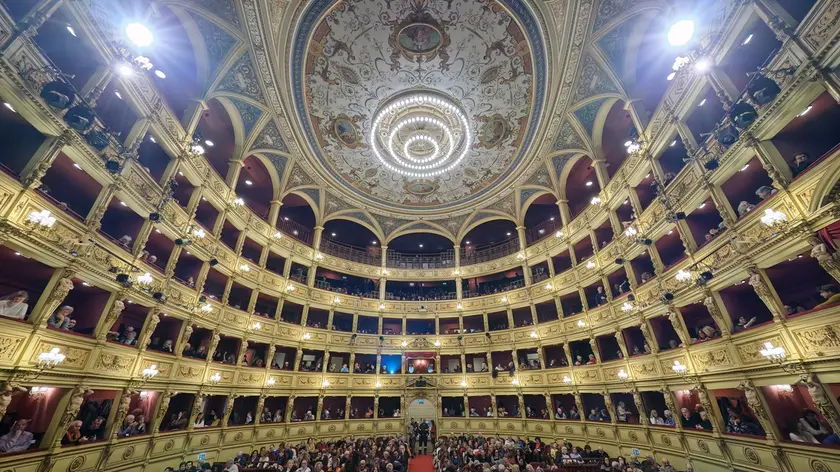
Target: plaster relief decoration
419, 103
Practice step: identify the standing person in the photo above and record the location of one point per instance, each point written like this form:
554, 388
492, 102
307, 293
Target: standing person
412, 434
423, 435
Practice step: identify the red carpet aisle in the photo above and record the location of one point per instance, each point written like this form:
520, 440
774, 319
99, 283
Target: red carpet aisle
421, 464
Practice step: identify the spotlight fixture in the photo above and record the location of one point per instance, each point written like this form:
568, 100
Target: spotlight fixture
619, 261
727, 135
160, 74
742, 115
158, 296
702, 66
155, 217
667, 297
124, 280
58, 94
80, 118
183, 242
139, 34
213, 262
681, 32
763, 89
712, 164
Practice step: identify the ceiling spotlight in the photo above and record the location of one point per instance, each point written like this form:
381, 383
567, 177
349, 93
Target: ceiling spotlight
421, 245
373, 242
208, 143
702, 102
118, 95
248, 182
671, 76
138, 34
152, 139
589, 183
804, 112
77, 166
10, 107
702, 65
124, 70
508, 233
747, 41
71, 30
467, 242
628, 143
332, 234
673, 143
746, 166
681, 32
197, 149
702, 205
160, 74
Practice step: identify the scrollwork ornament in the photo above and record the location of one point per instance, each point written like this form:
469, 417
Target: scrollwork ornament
819, 466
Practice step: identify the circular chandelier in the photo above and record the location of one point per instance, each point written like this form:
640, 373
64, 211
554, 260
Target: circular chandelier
420, 135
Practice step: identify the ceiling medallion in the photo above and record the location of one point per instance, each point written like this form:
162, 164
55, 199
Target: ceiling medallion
420, 134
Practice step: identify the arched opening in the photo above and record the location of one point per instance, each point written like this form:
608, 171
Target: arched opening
581, 185
216, 131
296, 218
255, 186
619, 130
488, 241
421, 409
351, 241
19, 140
420, 251
542, 219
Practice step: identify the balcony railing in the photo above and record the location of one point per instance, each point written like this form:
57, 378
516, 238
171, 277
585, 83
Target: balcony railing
351, 253
542, 230
295, 230
441, 260
488, 253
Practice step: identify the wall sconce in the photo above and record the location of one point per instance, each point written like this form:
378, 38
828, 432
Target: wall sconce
245, 268
459, 307
683, 276
548, 286
326, 383
290, 287
595, 201
514, 382
270, 382
150, 372
277, 235
319, 256
679, 369
581, 324
239, 202
784, 389
378, 384
773, 218
623, 376
590, 265
306, 336
404, 343
42, 219
567, 380
631, 231
437, 343
776, 355
144, 395
207, 308
199, 233
463, 384
533, 335
504, 299
381, 306
38, 393
627, 306
520, 256
256, 326
145, 279
48, 360
558, 234
456, 272
215, 378
384, 271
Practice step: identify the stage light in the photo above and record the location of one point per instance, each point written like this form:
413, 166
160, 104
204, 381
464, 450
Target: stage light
681, 32
139, 34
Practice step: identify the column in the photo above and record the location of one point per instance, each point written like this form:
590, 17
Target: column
234, 169
676, 321
593, 343
290, 408
772, 161
523, 243
43, 159
459, 289
619, 337
493, 404
610, 407
724, 322
672, 407
348, 404
565, 213
760, 283
600, 165
260, 406
319, 408
826, 259
298, 358
274, 212
97, 211
376, 406
650, 338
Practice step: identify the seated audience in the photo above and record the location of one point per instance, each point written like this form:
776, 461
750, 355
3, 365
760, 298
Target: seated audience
61, 318
18, 439
14, 306
831, 295
764, 192
800, 162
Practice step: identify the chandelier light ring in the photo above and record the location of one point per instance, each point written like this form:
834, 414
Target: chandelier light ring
436, 122
419, 169
424, 139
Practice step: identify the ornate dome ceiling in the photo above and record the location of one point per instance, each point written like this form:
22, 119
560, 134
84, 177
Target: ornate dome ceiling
419, 104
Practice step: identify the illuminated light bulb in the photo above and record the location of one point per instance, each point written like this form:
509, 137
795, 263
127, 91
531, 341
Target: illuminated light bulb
681, 32
139, 34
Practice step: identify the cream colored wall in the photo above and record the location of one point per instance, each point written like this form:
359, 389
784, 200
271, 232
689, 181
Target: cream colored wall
426, 410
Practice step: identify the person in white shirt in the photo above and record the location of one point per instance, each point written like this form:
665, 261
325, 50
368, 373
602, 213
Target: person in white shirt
14, 306
304, 466
655, 418
802, 435
230, 466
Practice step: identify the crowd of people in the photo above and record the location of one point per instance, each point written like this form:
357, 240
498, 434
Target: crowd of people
480, 454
